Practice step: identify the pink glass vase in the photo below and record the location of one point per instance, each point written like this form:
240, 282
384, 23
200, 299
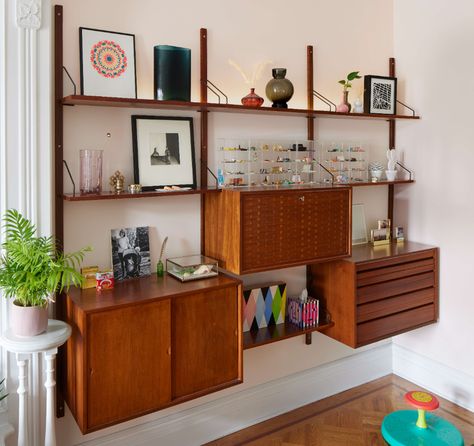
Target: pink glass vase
344, 106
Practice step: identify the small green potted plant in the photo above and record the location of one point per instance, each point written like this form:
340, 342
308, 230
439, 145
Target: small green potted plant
32, 270
345, 106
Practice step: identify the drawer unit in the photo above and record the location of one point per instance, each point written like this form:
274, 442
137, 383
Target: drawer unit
257, 230
378, 292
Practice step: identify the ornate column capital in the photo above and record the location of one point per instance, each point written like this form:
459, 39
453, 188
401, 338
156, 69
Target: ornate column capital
28, 14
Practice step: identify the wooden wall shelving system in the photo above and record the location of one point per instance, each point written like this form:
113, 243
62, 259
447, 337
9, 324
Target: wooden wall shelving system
251, 340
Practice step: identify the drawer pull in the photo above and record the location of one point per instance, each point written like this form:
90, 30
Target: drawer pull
169, 351
302, 198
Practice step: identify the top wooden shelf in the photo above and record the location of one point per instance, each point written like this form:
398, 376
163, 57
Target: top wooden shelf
100, 101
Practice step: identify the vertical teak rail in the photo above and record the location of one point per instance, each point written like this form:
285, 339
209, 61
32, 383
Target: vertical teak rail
391, 145
204, 128
58, 189
310, 118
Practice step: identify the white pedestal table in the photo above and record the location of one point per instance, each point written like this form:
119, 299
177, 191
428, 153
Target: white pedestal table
46, 343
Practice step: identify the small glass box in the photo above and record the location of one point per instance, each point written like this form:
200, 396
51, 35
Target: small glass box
191, 267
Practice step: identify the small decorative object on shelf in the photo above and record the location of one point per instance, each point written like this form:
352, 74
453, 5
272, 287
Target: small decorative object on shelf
90, 171
160, 270
358, 106
89, 275
380, 236
107, 63
116, 182
104, 280
399, 234
380, 95
303, 311
345, 106
252, 99
32, 270
391, 171
192, 267
130, 252
172, 73
279, 89
376, 171
135, 188
264, 306
384, 224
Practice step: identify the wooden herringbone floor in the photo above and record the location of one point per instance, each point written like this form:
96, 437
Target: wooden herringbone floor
351, 418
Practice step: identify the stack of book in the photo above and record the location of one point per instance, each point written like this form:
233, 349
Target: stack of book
303, 312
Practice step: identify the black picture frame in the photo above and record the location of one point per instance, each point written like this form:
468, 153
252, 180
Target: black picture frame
380, 95
163, 152
101, 90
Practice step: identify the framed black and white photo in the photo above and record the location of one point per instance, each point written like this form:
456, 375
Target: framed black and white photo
130, 252
380, 95
163, 152
107, 63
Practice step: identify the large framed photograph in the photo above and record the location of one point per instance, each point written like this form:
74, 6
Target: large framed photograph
163, 152
380, 95
130, 252
107, 63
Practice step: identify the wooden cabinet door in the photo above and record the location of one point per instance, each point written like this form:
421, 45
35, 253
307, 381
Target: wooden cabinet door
129, 362
294, 228
207, 343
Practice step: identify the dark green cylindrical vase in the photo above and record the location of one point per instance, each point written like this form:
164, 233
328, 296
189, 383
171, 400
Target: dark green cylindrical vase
279, 90
172, 73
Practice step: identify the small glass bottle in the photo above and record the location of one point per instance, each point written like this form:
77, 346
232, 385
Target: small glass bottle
160, 270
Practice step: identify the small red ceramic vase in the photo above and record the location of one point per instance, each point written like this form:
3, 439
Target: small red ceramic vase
252, 99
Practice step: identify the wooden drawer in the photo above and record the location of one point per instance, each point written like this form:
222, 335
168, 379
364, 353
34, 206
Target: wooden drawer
391, 325
377, 275
396, 287
396, 304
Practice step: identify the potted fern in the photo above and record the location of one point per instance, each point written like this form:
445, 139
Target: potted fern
32, 270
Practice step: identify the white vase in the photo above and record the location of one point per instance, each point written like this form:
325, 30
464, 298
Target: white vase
391, 175
28, 321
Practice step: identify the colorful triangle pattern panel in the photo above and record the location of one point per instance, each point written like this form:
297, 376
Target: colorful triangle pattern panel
264, 306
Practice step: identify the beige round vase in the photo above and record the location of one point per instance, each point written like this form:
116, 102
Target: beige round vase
28, 321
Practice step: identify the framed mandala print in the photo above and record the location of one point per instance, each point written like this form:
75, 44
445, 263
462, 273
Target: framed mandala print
107, 63
380, 95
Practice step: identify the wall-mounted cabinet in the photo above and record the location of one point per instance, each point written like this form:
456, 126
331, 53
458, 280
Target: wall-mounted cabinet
259, 230
379, 292
148, 344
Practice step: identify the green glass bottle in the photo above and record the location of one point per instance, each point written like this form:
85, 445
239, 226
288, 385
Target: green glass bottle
160, 270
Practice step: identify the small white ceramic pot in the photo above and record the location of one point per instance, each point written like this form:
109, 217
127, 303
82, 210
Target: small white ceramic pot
28, 321
391, 175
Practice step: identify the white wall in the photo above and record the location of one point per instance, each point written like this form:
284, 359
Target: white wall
433, 43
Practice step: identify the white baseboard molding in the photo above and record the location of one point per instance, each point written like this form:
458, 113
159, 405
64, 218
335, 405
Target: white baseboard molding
449, 383
231, 413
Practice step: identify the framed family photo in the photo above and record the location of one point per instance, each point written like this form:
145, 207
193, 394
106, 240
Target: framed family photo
107, 63
163, 152
380, 95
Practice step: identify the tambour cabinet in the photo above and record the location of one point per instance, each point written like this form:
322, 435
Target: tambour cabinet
257, 229
378, 292
148, 344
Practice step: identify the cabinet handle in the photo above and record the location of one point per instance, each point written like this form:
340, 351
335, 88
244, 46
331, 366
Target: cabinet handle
302, 198
169, 351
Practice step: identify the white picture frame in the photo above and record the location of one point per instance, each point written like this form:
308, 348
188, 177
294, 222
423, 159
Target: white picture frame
108, 66
163, 152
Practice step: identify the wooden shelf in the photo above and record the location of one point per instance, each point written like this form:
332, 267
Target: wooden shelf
378, 183
275, 333
100, 101
113, 196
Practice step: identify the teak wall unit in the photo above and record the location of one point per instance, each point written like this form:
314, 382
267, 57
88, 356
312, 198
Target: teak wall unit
158, 318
